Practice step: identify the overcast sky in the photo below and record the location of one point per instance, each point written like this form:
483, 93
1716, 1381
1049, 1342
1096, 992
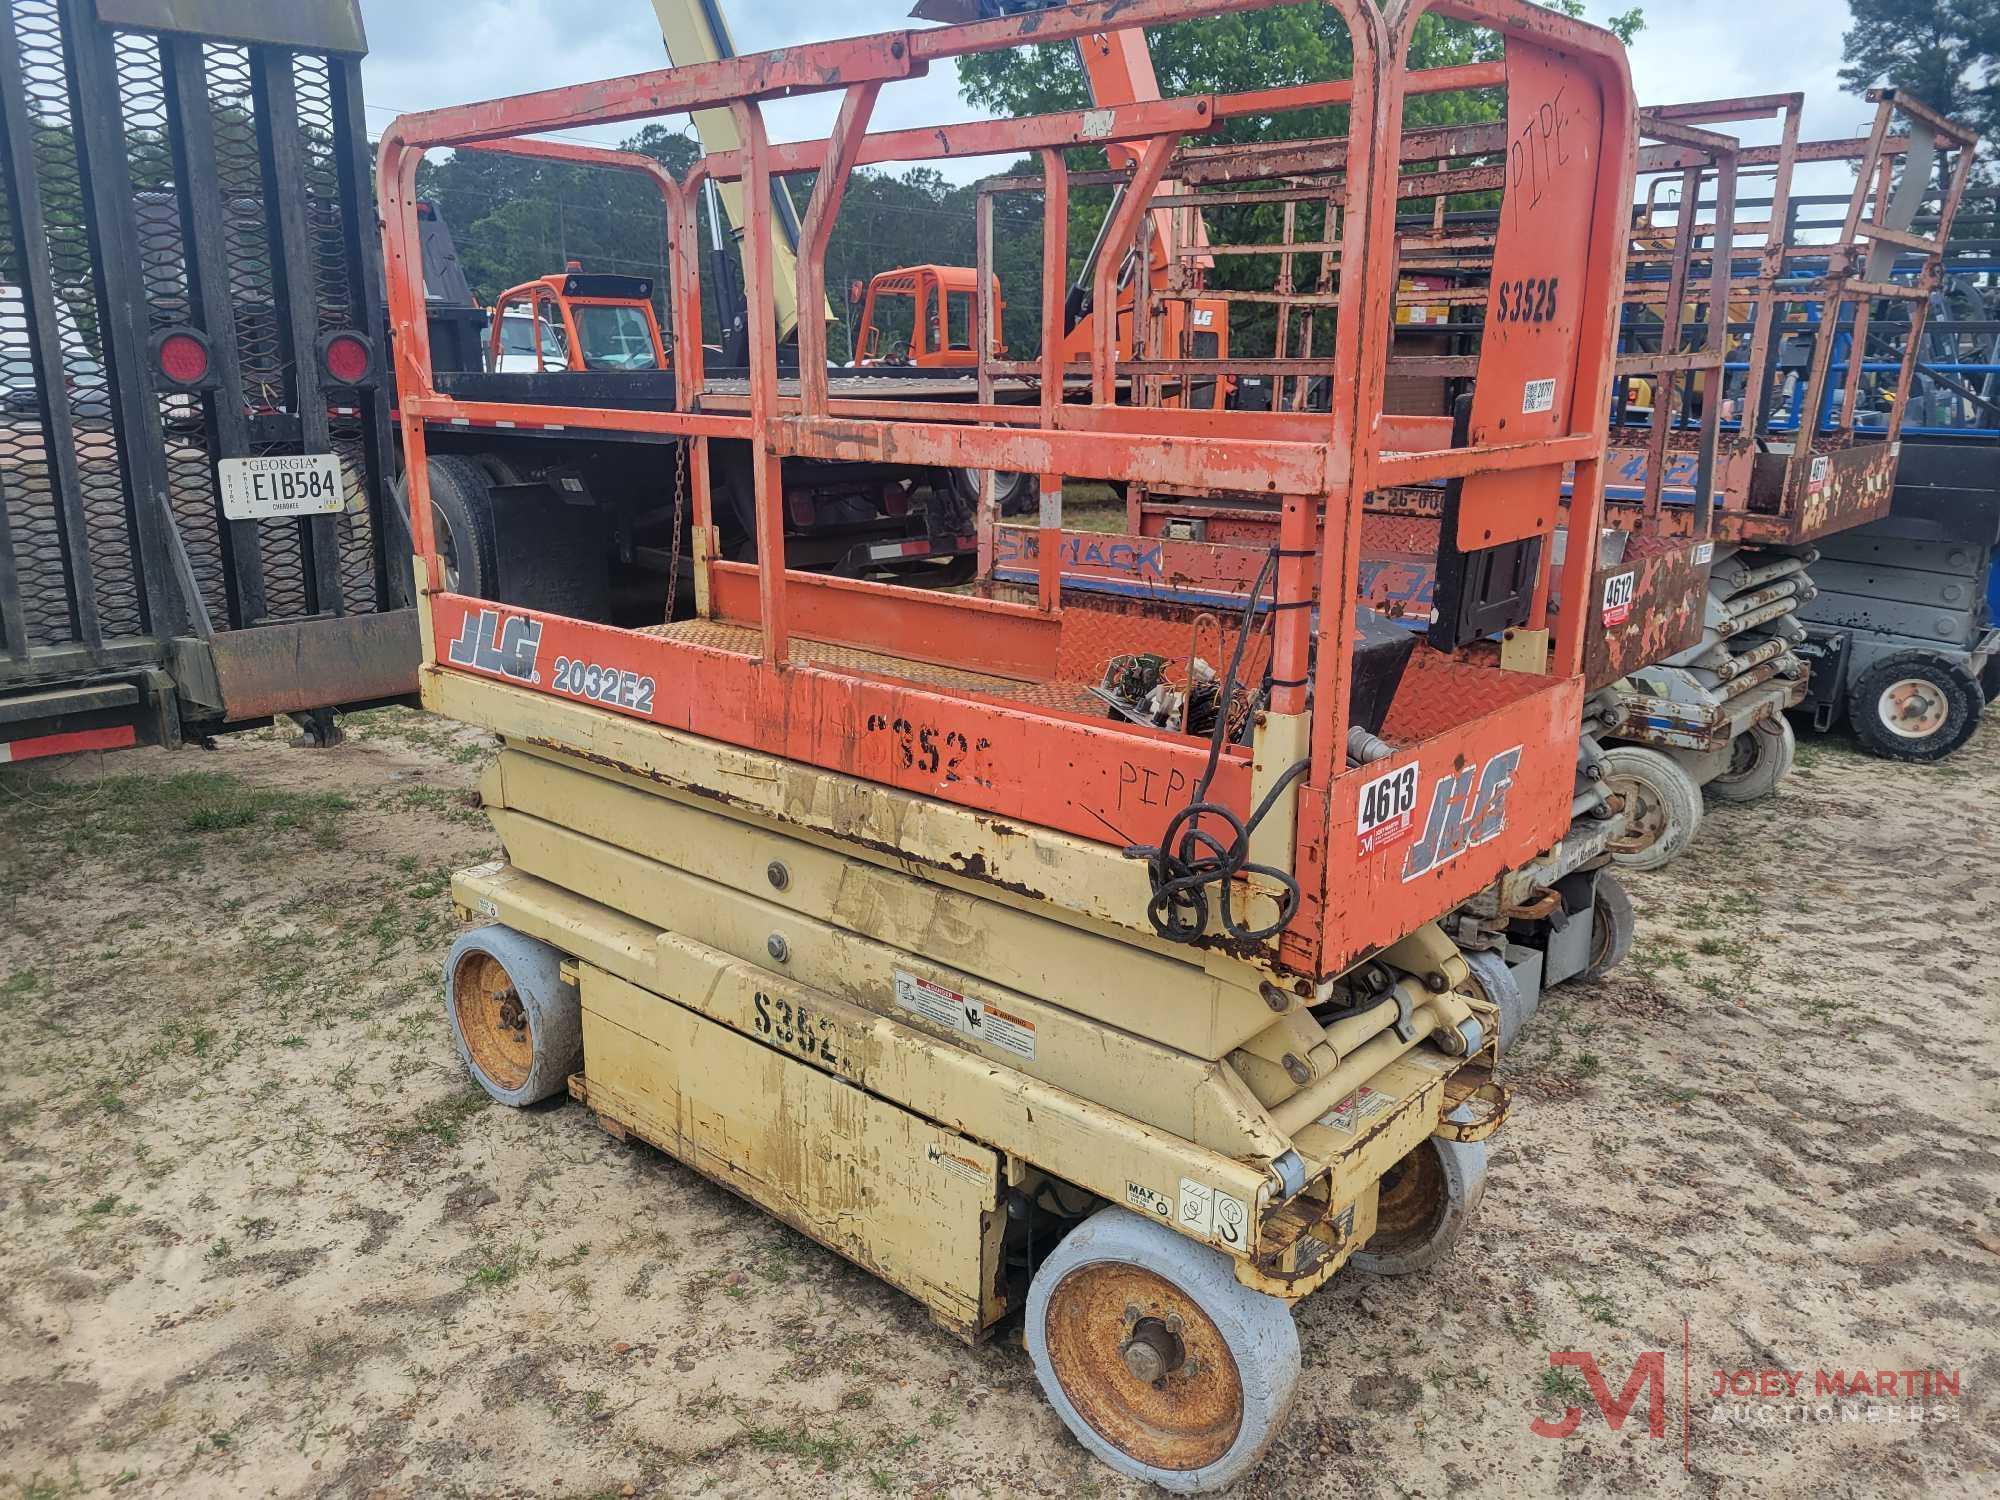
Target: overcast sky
426, 53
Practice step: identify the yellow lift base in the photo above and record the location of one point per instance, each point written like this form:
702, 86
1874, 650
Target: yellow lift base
942, 1081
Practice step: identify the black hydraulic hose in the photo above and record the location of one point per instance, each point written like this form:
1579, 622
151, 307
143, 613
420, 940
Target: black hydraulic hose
1188, 858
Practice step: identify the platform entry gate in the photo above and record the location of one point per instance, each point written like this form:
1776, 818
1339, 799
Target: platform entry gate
194, 438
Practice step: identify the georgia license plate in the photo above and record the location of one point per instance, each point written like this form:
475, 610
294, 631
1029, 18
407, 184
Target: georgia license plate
281, 484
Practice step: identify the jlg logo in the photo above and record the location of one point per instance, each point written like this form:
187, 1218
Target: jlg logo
487, 644
1468, 808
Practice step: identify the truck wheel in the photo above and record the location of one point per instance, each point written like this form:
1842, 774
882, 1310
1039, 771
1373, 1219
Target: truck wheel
461, 524
517, 1025
1759, 758
1497, 982
1156, 1357
1426, 1201
1914, 706
1613, 925
1662, 806
1014, 494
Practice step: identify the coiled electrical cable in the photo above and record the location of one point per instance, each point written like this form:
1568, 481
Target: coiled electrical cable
1189, 858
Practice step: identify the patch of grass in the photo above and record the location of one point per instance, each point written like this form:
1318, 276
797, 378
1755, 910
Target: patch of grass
1562, 1384
449, 803
828, 1449
1092, 507
219, 1250
1600, 1307
500, 1269
441, 1120
112, 812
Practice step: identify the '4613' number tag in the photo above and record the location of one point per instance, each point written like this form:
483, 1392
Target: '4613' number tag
1388, 807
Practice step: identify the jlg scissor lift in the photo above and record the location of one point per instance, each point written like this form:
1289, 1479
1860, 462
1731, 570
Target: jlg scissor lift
1566, 915
1688, 662
1802, 456
852, 896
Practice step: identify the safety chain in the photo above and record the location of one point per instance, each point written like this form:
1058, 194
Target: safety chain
674, 551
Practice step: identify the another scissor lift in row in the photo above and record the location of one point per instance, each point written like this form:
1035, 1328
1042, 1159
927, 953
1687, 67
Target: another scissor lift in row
1688, 661
853, 897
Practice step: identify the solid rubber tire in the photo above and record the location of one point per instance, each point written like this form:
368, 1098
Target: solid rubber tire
1464, 1164
1259, 1330
1775, 747
1610, 909
1489, 967
1677, 793
553, 1008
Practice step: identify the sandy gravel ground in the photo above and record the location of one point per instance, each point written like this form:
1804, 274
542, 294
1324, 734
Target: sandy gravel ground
258, 1235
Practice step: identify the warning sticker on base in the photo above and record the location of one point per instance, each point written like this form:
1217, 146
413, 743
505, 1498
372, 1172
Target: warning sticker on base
1356, 1107
958, 1166
1207, 1211
969, 1016
1148, 1200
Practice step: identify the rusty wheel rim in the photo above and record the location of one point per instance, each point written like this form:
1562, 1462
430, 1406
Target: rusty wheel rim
1412, 1202
1913, 709
1645, 815
1744, 753
492, 1020
1109, 1327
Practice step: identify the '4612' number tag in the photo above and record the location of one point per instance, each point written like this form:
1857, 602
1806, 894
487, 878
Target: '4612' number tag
1618, 591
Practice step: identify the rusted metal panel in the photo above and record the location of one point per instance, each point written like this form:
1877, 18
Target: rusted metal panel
1828, 490
787, 1136
1648, 607
300, 664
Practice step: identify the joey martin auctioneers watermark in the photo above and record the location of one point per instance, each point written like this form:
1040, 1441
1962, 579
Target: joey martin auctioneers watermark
1759, 1396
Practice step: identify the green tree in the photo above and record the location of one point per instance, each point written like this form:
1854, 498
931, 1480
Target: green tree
1231, 54
514, 218
1944, 52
